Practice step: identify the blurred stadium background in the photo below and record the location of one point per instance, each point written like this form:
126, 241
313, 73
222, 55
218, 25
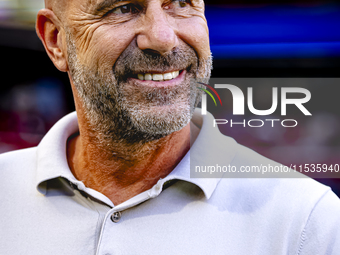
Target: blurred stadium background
248, 39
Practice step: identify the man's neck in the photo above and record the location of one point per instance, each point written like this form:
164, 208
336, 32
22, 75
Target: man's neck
113, 171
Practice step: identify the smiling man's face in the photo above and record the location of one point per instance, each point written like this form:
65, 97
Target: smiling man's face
133, 62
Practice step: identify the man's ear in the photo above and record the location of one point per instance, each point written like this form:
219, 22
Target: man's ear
48, 29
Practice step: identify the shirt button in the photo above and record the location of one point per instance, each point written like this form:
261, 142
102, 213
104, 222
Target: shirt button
115, 217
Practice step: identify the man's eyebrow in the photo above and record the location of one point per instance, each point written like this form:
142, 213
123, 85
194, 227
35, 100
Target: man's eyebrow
105, 4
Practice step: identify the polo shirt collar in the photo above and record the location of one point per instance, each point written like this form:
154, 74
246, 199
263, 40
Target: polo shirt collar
51, 152
52, 161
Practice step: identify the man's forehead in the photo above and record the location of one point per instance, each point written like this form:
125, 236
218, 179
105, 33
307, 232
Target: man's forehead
62, 8
61, 4
51, 3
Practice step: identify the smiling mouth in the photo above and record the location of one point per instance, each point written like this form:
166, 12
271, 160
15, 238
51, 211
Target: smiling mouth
158, 76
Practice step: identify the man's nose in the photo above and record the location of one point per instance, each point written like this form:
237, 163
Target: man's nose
157, 34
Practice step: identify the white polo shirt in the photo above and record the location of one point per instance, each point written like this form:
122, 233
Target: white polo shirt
45, 210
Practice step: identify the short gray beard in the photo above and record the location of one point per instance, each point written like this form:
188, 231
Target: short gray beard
120, 112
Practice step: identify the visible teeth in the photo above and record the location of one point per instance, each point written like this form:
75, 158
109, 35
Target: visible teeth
148, 77
175, 74
168, 76
158, 77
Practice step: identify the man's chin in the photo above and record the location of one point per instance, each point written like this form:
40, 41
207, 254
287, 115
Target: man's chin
161, 120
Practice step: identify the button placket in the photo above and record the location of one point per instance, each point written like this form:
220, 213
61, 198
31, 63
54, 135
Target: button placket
110, 223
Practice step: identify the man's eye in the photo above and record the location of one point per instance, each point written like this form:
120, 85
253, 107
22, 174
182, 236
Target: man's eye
125, 9
181, 3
